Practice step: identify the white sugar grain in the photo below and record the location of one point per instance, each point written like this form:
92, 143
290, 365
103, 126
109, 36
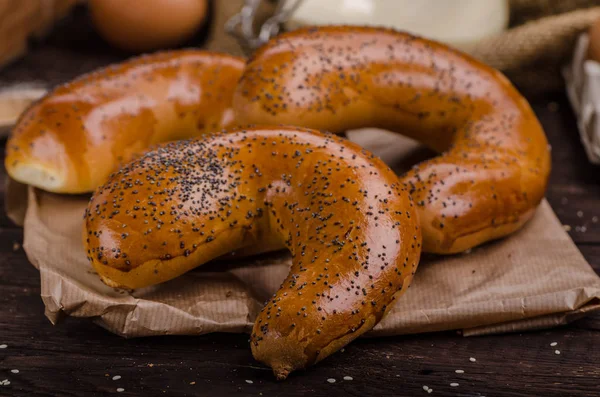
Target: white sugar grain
454, 384
331, 380
116, 377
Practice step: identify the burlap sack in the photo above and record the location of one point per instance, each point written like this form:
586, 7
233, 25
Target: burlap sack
539, 42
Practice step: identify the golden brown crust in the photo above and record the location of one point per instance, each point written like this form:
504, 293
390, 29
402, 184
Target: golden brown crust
494, 163
73, 138
350, 226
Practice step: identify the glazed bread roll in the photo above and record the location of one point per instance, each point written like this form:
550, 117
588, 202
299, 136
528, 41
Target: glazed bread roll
74, 137
494, 159
350, 226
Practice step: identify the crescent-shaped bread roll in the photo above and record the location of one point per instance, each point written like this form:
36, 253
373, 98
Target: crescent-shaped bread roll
74, 137
494, 159
350, 226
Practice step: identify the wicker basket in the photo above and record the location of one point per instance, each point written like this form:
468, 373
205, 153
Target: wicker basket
22, 19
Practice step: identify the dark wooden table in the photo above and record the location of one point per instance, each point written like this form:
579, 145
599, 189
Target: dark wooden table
78, 358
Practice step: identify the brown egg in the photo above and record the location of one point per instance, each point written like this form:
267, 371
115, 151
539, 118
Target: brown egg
594, 46
144, 25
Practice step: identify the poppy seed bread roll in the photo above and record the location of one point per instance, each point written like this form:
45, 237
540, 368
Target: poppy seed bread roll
350, 226
494, 160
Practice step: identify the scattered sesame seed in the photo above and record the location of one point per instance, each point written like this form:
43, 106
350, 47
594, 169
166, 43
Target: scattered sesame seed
16, 246
583, 229
430, 391
192, 383
594, 219
3, 346
567, 228
120, 390
249, 381
425, 387
556, 351
116, 377
5, 382
459, 371
331, 380
454, 384
348, 378
14, 371
472, 359
553, 343
579, 214
343, 350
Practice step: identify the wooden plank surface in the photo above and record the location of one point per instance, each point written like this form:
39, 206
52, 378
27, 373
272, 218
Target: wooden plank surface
78, 358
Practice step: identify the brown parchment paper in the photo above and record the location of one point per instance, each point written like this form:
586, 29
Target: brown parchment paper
534, 279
